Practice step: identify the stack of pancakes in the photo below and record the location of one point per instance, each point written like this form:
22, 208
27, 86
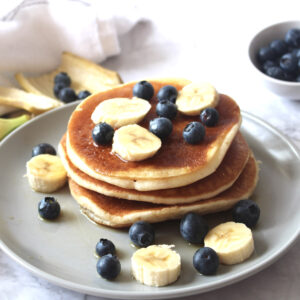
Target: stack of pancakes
205, 178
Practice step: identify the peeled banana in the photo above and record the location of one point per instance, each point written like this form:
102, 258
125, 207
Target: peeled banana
118, 112
195, 97
135, 143
232, 241
33, 103
156, 265
85, 75
8, 125
46, 173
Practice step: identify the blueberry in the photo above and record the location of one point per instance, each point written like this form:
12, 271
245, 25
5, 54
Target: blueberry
296, 52
83, 94
266, 53
49, 208
142, 233
209, 116
193, 228
104, 247
289, 76
292, 37
57, 88
206, 261
166, 109
108, 267
62, 78
288, 63
268, 64
43, 148
167, 92
143, 89
247, 212
275, 72
161, 127
67, 95
102, 133
279, 46
194, 133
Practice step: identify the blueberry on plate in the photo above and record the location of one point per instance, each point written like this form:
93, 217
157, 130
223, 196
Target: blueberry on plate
83, 94
194, 133
161, 127
167, 92
67, 95
57, 88
266, 53
108, 266
49, 208
43, 148
102, 133
279, 46
292, 37
104, 247
166, 109
247, 212
193, 228
143, 89
142, 234
288, 63
275, 72
209, 116
206, 261
62, 78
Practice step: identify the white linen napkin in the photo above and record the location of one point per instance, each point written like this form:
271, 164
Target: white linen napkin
35, 32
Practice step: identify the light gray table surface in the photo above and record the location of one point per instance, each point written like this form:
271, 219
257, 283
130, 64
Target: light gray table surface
206, 41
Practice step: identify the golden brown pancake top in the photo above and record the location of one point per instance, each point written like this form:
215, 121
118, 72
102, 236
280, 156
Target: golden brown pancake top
174, 153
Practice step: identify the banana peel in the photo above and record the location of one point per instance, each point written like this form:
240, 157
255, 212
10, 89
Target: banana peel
35, 104
8, 125
84, 74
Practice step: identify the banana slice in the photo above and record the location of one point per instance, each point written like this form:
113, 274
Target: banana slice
85, 75
194, 97
156, 265
232, 241
135, 143
46, 173
30, 102
118, 112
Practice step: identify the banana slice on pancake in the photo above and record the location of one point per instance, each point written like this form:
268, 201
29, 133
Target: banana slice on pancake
195, 97
33, 103
232, 241
85, 75
119, 112
135, 143
156, 265
46, 173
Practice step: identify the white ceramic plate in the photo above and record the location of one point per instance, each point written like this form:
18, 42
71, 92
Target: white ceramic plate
63, 251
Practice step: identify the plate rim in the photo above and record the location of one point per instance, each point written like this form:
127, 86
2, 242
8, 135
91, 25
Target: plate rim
185, 291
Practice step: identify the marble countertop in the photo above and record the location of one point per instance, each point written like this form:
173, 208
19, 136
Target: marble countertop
206, 42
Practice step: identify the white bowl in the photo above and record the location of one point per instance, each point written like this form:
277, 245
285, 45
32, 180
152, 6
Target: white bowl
286, 89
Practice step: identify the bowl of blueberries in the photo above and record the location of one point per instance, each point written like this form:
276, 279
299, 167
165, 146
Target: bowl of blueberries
275, 54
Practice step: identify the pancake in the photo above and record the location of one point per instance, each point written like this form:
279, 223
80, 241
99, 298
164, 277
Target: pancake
176, 164
122, 213
226, 174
